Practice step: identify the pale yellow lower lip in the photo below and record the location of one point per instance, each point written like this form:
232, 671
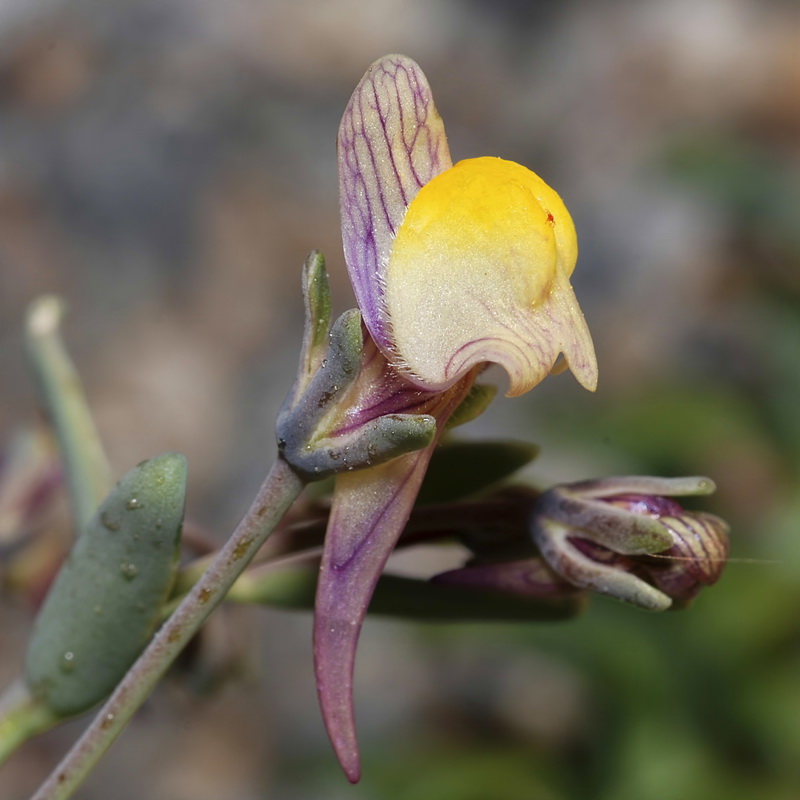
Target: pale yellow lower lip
478, 272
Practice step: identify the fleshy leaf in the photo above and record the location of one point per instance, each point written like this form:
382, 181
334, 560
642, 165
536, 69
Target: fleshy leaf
87, 472
391, 143
444, 599
524, 578
108, 596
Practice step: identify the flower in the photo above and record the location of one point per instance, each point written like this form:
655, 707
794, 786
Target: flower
626, 537
453, 267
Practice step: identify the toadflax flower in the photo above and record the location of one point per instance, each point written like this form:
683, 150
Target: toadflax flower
453, 267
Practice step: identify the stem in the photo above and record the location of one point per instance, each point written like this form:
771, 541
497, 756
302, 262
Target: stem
21, 717
427, 524
279, 490
87, 470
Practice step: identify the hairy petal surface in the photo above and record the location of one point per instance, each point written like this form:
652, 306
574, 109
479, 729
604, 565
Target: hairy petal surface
391, 142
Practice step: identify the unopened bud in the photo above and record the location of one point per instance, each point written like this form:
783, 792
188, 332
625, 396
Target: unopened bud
626, 537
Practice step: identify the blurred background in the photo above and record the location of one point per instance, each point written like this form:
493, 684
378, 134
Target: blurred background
165, 165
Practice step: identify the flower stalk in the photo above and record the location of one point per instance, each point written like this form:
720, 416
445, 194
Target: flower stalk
279, 490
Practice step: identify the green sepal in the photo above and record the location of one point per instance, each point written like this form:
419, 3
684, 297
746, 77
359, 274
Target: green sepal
336, 373
553, 540
303, 422
316, 326
375, 442
106, 600
473, 405
581, 507
462, 469
408, 598
317, 304
313, 396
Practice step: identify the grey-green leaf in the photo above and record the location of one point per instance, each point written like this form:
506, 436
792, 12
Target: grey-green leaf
105, 602
87, 472
461, 469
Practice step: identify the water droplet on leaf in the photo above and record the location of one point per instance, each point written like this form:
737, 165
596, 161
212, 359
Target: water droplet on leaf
109, 523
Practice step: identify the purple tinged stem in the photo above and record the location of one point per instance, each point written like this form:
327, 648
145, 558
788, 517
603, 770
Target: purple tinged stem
279, 490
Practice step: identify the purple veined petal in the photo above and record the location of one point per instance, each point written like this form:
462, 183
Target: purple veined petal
391, 142
380, 390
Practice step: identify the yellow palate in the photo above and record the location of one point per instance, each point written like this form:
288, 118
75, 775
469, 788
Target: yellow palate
471, 271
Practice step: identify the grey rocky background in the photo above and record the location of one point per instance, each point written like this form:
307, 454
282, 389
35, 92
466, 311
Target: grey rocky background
166, 164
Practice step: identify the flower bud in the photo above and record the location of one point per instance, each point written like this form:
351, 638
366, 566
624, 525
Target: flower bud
626, 538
